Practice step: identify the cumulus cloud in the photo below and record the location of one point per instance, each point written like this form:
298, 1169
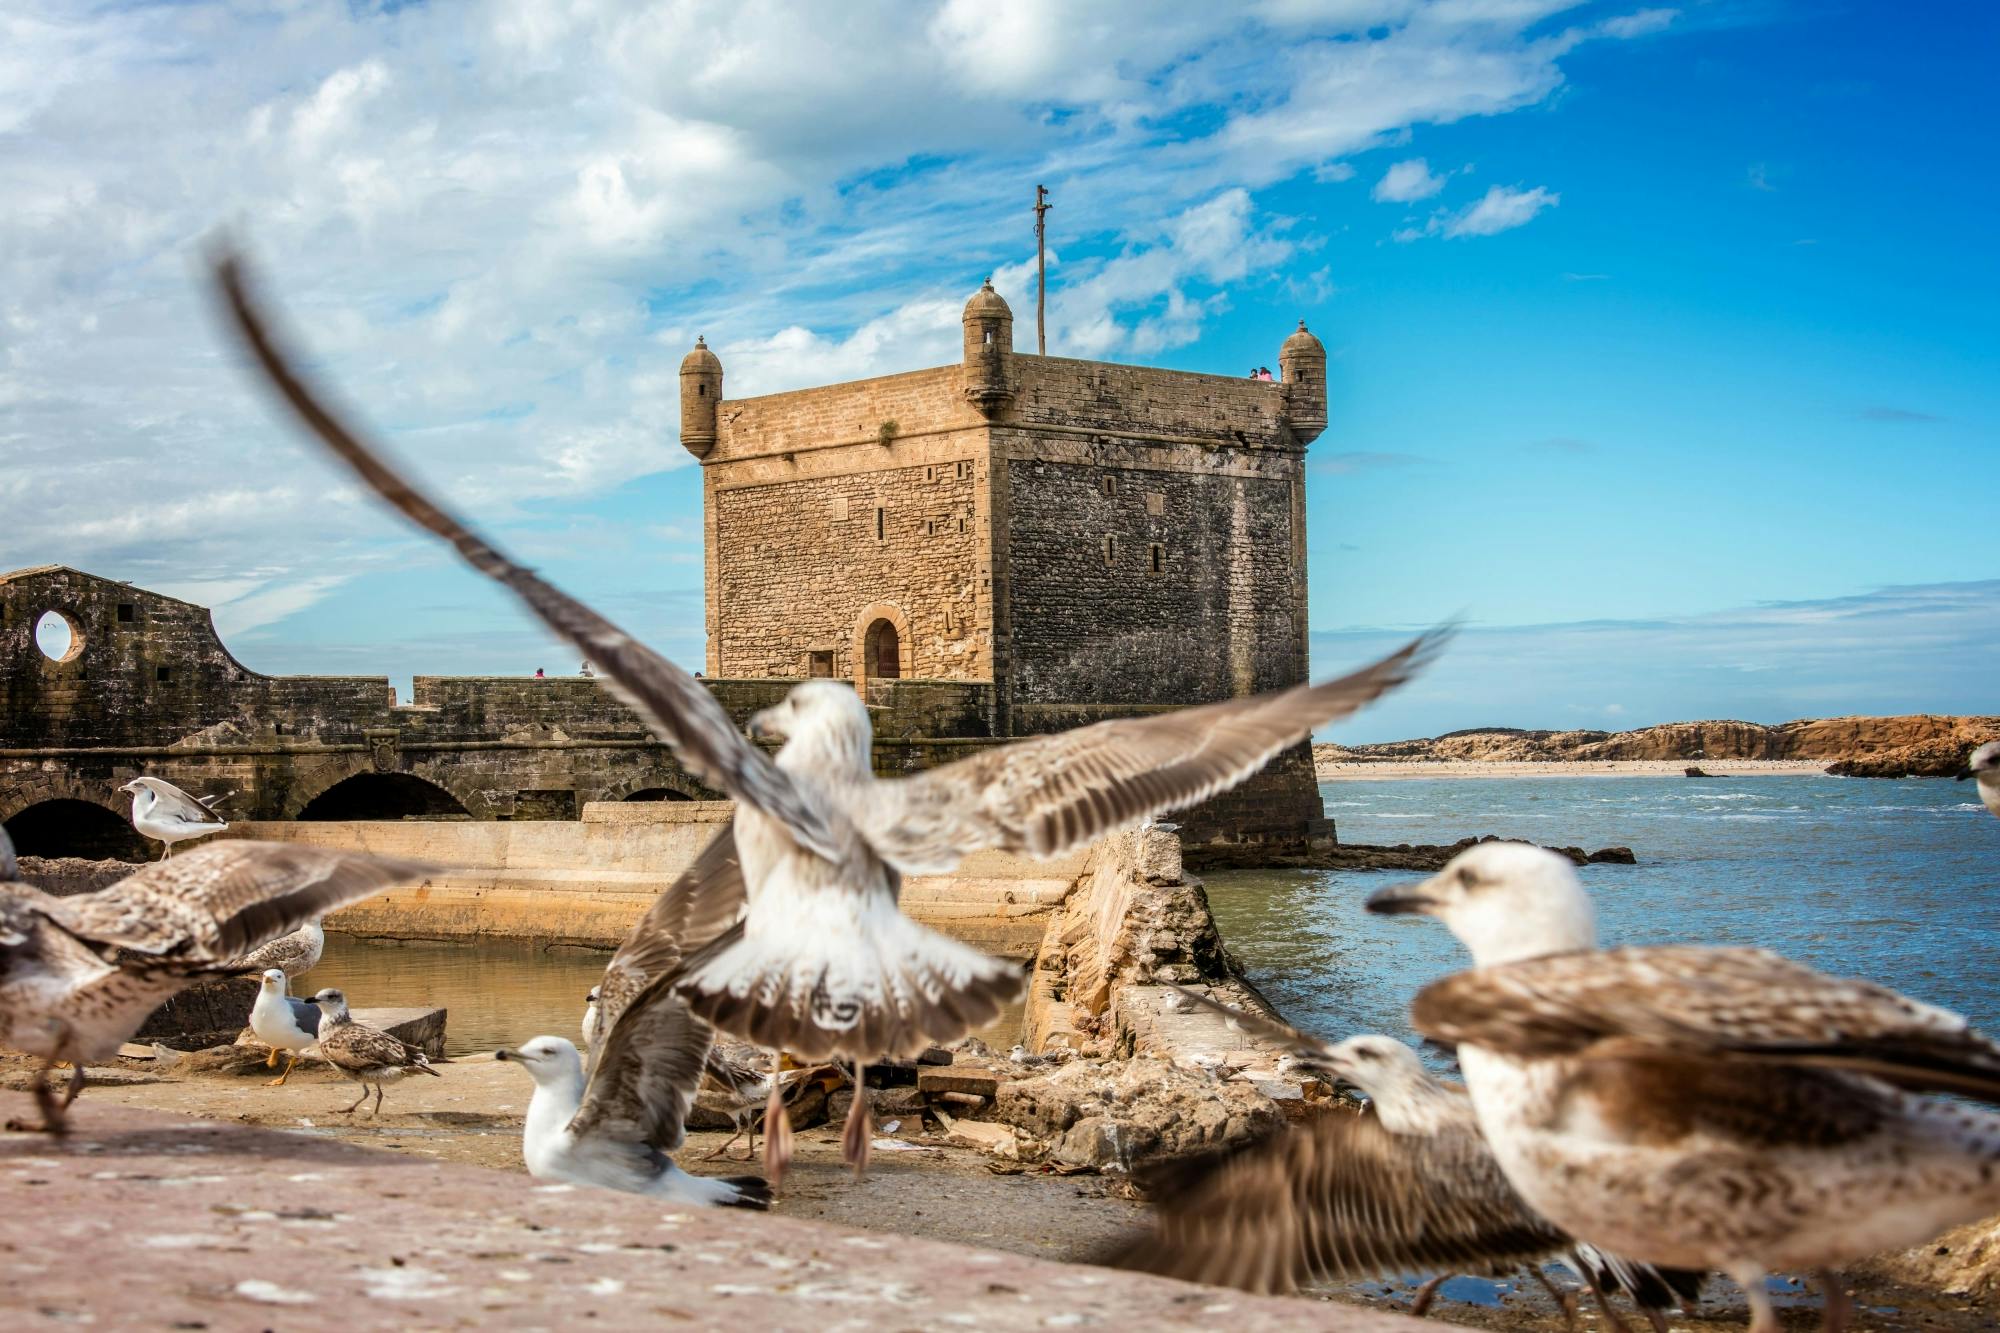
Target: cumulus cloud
499, 224
1406, 182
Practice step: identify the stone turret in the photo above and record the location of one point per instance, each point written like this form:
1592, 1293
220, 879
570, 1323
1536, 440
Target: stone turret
701, 395
989, 351
1302, 365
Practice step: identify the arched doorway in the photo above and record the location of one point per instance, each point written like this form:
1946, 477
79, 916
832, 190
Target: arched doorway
659, 794
66, 827
384, 796
882, 652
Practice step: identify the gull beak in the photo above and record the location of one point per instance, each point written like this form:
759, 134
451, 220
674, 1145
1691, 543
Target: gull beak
761, 727
1403, 900
505, 1054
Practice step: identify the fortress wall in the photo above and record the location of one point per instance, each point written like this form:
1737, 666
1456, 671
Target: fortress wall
843, 414
1058, 391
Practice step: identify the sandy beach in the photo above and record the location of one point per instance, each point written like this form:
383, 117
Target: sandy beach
1380, 770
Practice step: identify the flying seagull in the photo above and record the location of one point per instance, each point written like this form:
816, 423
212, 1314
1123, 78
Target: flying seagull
823, 963
166, 814
295, 954
1703, 1108
616, 1128
1984, 766
364, 1055
78, 975
283, 1023
1411, 1187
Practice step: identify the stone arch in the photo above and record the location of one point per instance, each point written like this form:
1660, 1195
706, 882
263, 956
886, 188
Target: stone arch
880, 625
71, 826
373, 795
657, 786
656, 794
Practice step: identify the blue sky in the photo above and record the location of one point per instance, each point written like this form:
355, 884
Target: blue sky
1661, 336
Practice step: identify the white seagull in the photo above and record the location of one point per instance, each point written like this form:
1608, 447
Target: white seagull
283, 1023
166, 814
615, 1129
590, 1023
78, 975
1702, 1108
1984, 768
1410, 1187
822, 963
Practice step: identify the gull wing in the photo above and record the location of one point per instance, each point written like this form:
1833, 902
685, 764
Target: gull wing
1054, 793
645, 1079
356, 1046
704, 901
170, 802
674, 704
218, 902
1686, 1003
1336, 1199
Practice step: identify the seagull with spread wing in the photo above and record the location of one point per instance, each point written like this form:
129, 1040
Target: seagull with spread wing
78, 975
1410, 1187
295, 954
163, 812
1720, 1108
823, 963
1984, 769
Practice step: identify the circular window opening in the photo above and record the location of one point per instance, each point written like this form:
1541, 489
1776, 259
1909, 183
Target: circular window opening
58, 637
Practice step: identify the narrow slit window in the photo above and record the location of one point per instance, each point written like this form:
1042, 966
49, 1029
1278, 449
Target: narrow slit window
1156, 558
881, 523
1110, 550
1110, 484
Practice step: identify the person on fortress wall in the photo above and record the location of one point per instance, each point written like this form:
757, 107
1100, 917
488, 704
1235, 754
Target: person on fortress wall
1264, 373
540, 674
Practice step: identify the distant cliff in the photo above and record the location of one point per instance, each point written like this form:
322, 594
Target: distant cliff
1921, 744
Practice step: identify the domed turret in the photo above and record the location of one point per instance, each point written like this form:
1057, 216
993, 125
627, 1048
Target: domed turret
701, 395
989, 350
1302, 364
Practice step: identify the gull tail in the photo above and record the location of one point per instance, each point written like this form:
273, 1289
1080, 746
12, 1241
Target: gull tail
1650, 1287
751, 1192
888, 988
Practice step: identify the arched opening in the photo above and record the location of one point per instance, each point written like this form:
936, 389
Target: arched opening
67, 827
883, 652
384, 796
659, 794
58, 637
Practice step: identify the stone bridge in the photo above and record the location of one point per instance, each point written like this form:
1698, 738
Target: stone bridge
146, 686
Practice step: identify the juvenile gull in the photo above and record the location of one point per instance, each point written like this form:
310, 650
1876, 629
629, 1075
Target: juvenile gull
78, 975
615, 1129
283, 1023
163, 812
1704, 1108
1984, 768
1408, 1188
295, 954
368, 1056
823, 963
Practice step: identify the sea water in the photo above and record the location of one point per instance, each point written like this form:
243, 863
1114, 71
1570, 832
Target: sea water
1895, 881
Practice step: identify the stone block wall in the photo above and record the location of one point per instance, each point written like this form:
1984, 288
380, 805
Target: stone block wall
1145, 400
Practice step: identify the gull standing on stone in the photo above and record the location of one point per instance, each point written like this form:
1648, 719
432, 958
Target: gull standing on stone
365, 1055
1704, 1108
78, 975
283, 1023
822, 962
1984, 768
163, 812
616, 1128
1410, 1187
295, 954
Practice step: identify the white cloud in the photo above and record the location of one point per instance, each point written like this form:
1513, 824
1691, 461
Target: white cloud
1408, 181
1501, 208
498, 224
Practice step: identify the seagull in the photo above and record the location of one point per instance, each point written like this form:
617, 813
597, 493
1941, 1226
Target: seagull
78, 975
747, 1082
368, 1056
163, 812
1411, 1186
822, 962
615, 1129
283, 1023
295, 954
1702, 1108
1985, 767
590, 1024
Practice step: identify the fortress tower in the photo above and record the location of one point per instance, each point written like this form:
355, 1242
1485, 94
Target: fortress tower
1092, 539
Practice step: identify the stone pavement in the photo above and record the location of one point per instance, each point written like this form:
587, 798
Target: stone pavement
148, 1221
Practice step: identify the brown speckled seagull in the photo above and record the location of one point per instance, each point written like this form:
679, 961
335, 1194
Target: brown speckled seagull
78, 975
363, 1054
1704, 1108
1410, 1187
823, 963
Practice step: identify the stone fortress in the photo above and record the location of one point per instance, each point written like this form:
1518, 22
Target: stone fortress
1007, 546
